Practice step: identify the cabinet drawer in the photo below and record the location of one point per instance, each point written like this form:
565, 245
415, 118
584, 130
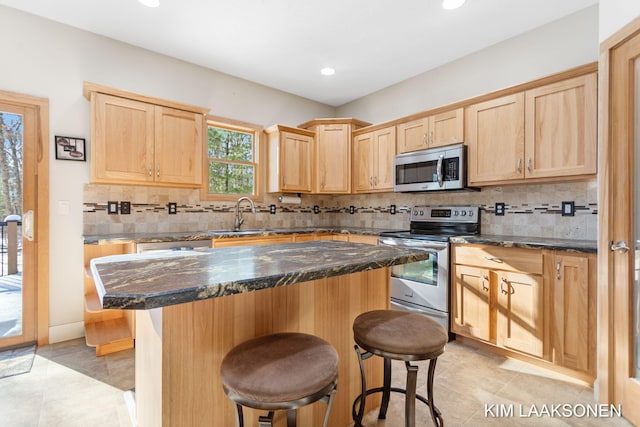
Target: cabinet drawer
500, 258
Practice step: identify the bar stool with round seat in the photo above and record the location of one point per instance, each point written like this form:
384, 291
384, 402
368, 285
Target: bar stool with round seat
282, 371
398, 335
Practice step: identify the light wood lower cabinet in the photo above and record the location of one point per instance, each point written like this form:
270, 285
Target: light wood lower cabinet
288, 238
536, 303
108, 331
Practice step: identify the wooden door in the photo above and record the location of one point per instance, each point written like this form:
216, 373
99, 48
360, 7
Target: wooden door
333, 159
446, 128
495, 137
178, 146
619, 223
413, 135
471, 302
296, 162
363, 162
25, 127
122, 140
521, 312
385, 151
573, 324
561, 125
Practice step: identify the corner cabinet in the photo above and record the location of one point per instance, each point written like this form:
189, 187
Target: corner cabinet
373, 154
290, 159
542, 134
141, 140
437, 130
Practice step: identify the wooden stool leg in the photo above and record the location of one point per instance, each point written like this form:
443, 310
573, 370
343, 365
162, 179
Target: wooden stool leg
386, 392
410, 399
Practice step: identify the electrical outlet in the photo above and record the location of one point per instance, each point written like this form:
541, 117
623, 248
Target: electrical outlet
352, 210
499, 209
272, 209
392, 209
316, 209
112, 208
568, 208
125, 208
173, 208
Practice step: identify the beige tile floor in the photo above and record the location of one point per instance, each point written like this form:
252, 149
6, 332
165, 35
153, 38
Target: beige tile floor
69, 386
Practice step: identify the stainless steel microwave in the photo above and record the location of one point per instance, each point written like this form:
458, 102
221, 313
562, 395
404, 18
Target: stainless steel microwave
434, 169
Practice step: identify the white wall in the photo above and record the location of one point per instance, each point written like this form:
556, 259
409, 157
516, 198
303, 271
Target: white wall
555, 47
615, 14
50, 60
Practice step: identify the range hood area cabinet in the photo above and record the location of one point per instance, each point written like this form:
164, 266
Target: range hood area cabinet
332, 154
373, 154
136, 139
436, 130
545, 133
290, 159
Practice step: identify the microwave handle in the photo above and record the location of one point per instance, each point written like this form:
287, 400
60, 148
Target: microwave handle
439, 169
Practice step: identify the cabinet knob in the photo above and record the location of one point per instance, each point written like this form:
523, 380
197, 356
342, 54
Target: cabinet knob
485, 279
558, 267
519, 166
431, 137
529, 167
150, 170
504, 282
620, 246
158, 170
424, 138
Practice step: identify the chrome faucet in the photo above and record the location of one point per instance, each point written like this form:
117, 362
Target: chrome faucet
239, 220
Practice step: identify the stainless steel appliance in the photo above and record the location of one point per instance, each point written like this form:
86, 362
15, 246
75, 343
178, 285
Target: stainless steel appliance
424, 286
431, 170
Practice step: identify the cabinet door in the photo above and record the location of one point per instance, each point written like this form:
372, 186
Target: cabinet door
178, 146
251, 241
333, 158
495, 136
363, 162
471, 302
295, 162
561, 128
573, 328
521, 312
122, 140
446, 128
385, 151
413, 135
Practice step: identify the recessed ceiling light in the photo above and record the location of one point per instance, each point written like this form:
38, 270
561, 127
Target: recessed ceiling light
452, 4
327, 71
150, 3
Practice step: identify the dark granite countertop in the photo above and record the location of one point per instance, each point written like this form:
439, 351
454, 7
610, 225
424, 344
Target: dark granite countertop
587, 246
148, 281
219, 234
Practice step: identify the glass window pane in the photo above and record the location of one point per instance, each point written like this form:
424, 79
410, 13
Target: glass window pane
230, 178
230, 144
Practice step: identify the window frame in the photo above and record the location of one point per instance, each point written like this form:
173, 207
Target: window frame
259, 170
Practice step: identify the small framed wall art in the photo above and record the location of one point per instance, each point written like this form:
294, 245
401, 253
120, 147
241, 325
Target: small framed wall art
70, 148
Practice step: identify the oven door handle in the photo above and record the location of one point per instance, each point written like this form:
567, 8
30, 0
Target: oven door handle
439, 170
412, 244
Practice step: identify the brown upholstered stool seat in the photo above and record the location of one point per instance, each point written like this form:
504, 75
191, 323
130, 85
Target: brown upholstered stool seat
281, 371
398, 335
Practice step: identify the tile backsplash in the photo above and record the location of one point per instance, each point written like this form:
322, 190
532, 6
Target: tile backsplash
530, 210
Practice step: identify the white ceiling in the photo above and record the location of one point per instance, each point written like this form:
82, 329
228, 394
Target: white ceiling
283, 44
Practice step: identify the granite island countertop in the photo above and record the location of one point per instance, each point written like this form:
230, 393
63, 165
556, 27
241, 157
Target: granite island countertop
145, 281
585, 246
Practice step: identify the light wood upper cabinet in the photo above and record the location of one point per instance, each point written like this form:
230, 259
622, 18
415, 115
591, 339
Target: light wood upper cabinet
137, 141
561, 128
333, 159
373, 154
290, 153
433, 131
495, 137
548, 132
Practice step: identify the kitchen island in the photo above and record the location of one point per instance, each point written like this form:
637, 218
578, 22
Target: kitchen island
193, 307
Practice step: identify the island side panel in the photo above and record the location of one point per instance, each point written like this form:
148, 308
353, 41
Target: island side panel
196, 336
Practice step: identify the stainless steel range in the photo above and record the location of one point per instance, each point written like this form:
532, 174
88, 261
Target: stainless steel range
424, 286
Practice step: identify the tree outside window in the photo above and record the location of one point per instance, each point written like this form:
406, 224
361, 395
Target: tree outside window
232, 165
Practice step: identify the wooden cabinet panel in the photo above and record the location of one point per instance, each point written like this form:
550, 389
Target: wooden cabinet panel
413, 135
290, 155
363, 162
446, 128
497, 257
521, 312
561, 128
495, 137
333, 159
373, 160
362, 238
471, 302
251, 241
178, 146
122, 139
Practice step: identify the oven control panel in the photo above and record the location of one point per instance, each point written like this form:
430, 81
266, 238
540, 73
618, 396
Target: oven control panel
468, 214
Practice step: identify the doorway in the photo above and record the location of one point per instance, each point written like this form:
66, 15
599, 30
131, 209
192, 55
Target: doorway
23, 220
619, 235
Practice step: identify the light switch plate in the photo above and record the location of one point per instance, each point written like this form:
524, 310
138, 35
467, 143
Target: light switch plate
112, 208
568, 208
352, 210
316, 209
125, 208
173, 208
272, 209
499, 209
392, 209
